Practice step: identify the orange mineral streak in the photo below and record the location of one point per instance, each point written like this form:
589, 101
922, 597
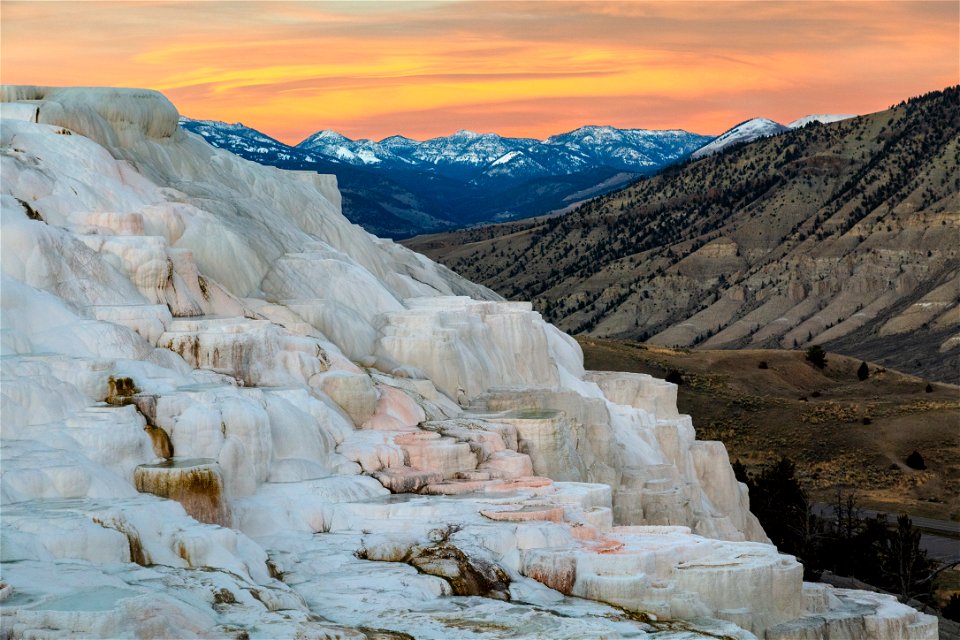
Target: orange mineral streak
162, 445
530, 482
194, 483
556, 570
425, 69
606, 545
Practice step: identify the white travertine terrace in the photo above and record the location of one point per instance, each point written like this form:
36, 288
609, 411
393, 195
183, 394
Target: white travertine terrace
216, 334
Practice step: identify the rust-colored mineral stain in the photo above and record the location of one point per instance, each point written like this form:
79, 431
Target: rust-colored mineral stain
605, 545
137, 552
120, 389
559, 578
162, 446
183, 552
194, 483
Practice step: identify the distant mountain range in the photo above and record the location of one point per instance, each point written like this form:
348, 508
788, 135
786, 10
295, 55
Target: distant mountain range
399, 187
841, 234
482, 157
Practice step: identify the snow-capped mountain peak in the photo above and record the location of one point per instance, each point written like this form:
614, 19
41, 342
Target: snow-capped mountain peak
822, 118
474, 157
361, 152
746, 131
466, 154
398, 139
325, 137
588, 134
243, 141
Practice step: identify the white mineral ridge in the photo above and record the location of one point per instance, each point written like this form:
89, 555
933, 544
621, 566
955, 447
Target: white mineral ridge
308, 410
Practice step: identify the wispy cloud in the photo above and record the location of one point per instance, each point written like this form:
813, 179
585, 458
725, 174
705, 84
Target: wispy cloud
371, 69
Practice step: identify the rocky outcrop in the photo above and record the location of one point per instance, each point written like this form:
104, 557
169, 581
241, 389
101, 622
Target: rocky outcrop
206, 367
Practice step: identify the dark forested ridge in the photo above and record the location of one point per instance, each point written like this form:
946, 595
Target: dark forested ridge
842, 234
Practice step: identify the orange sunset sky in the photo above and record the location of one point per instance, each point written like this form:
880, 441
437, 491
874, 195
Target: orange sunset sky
423, 69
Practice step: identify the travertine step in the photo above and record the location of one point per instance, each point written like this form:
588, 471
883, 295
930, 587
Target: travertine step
195, 483
639, 390
550, 513
148, 320
473, 475
535, 485
406, 479
530, 485
508, 464
455, 487
485, 439
926, 628
428, 451
257, 353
